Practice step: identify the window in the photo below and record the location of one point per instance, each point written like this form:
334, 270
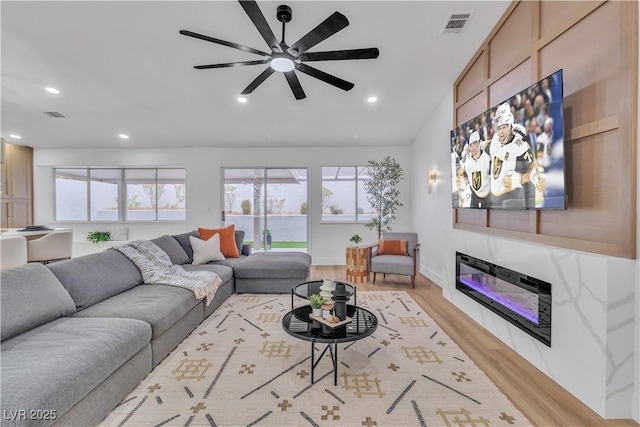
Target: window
104, 185
343, 195
95, 194
72, 194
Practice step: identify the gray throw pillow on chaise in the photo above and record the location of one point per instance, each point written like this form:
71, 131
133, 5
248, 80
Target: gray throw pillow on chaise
176, 253
95, 277
31, 296
239, 240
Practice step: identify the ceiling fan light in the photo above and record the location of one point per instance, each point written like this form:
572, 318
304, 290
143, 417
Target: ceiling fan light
282, 64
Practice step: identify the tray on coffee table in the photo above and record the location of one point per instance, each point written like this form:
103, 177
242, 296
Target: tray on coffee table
329, 324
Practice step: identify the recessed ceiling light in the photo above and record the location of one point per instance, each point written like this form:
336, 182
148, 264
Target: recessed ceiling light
52, 90
372, 99
123, 136
15, 136
242, 99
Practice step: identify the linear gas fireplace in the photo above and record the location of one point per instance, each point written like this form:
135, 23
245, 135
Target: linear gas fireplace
520, 299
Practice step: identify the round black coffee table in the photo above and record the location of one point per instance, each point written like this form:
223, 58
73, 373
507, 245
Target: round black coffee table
303, 290
298, 324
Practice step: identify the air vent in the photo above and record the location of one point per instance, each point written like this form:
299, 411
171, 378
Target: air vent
456, 22
54, 114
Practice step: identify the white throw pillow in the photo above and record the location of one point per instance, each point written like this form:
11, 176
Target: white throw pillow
206, 250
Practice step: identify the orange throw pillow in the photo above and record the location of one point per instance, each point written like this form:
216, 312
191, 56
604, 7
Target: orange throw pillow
392, 247
228, 245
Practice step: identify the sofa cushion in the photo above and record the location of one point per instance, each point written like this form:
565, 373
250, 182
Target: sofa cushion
96, 277
225, 272
228, 244
161, 306
267, 265
392, 264
176, 253
55, 365
31, 296
183, 240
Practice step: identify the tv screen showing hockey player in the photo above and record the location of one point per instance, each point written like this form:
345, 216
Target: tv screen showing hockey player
512, 156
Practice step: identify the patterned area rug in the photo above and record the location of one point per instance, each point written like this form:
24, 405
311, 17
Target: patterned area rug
239, 368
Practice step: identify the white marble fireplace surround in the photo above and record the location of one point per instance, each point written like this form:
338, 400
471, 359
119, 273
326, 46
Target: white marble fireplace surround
593, 306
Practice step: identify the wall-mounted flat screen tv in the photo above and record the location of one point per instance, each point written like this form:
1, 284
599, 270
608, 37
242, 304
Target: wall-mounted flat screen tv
512, 156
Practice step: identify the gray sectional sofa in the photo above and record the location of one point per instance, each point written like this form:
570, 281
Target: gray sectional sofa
79, 335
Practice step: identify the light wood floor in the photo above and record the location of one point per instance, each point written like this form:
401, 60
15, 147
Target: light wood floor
544, 402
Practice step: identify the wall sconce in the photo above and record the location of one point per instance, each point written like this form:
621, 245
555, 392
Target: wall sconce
433, 175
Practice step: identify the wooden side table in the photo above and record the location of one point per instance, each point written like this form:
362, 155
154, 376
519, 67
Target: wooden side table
358, 264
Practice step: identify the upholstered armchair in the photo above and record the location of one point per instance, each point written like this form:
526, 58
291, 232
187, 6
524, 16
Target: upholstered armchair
396, 253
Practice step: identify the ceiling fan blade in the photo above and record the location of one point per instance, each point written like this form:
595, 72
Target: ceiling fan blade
339, 55
294, 83
224, 43
254, 84
327, 28
327, 78
230, 64
256, 16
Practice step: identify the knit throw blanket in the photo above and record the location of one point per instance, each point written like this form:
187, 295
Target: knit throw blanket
157, 269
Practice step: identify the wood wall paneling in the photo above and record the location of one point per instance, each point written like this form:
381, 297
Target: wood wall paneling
473, 107
476, 217
510, 84
595, 43
513, 220
630, 48
473, 79
556, 15
591, 79
514, 34
591, 179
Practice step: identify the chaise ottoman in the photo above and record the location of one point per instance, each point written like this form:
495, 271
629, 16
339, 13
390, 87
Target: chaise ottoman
271, 272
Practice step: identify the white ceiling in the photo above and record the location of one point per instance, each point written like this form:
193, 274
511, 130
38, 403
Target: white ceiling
122, 67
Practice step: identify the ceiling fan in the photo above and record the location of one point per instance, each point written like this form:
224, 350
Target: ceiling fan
284, 58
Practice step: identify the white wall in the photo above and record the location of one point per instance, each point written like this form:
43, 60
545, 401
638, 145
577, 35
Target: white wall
327, 242
594, 352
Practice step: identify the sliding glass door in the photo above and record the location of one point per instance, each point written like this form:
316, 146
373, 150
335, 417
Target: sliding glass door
269, 204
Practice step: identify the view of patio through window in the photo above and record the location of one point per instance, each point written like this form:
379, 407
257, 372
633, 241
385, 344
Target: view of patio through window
269, 204
103, 194
343, 195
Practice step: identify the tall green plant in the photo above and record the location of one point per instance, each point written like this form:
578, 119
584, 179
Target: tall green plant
382, 193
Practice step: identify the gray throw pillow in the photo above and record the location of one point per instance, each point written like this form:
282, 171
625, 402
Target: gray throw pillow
183, 239
239, 240
176, 253
31, 296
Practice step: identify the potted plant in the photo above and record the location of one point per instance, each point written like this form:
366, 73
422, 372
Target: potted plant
355, 239
317, 301
382, 193
99, 236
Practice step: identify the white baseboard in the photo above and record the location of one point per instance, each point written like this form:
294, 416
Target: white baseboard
431, 275
635, 407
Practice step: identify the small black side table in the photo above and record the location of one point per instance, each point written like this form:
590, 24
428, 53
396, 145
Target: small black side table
298, 324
